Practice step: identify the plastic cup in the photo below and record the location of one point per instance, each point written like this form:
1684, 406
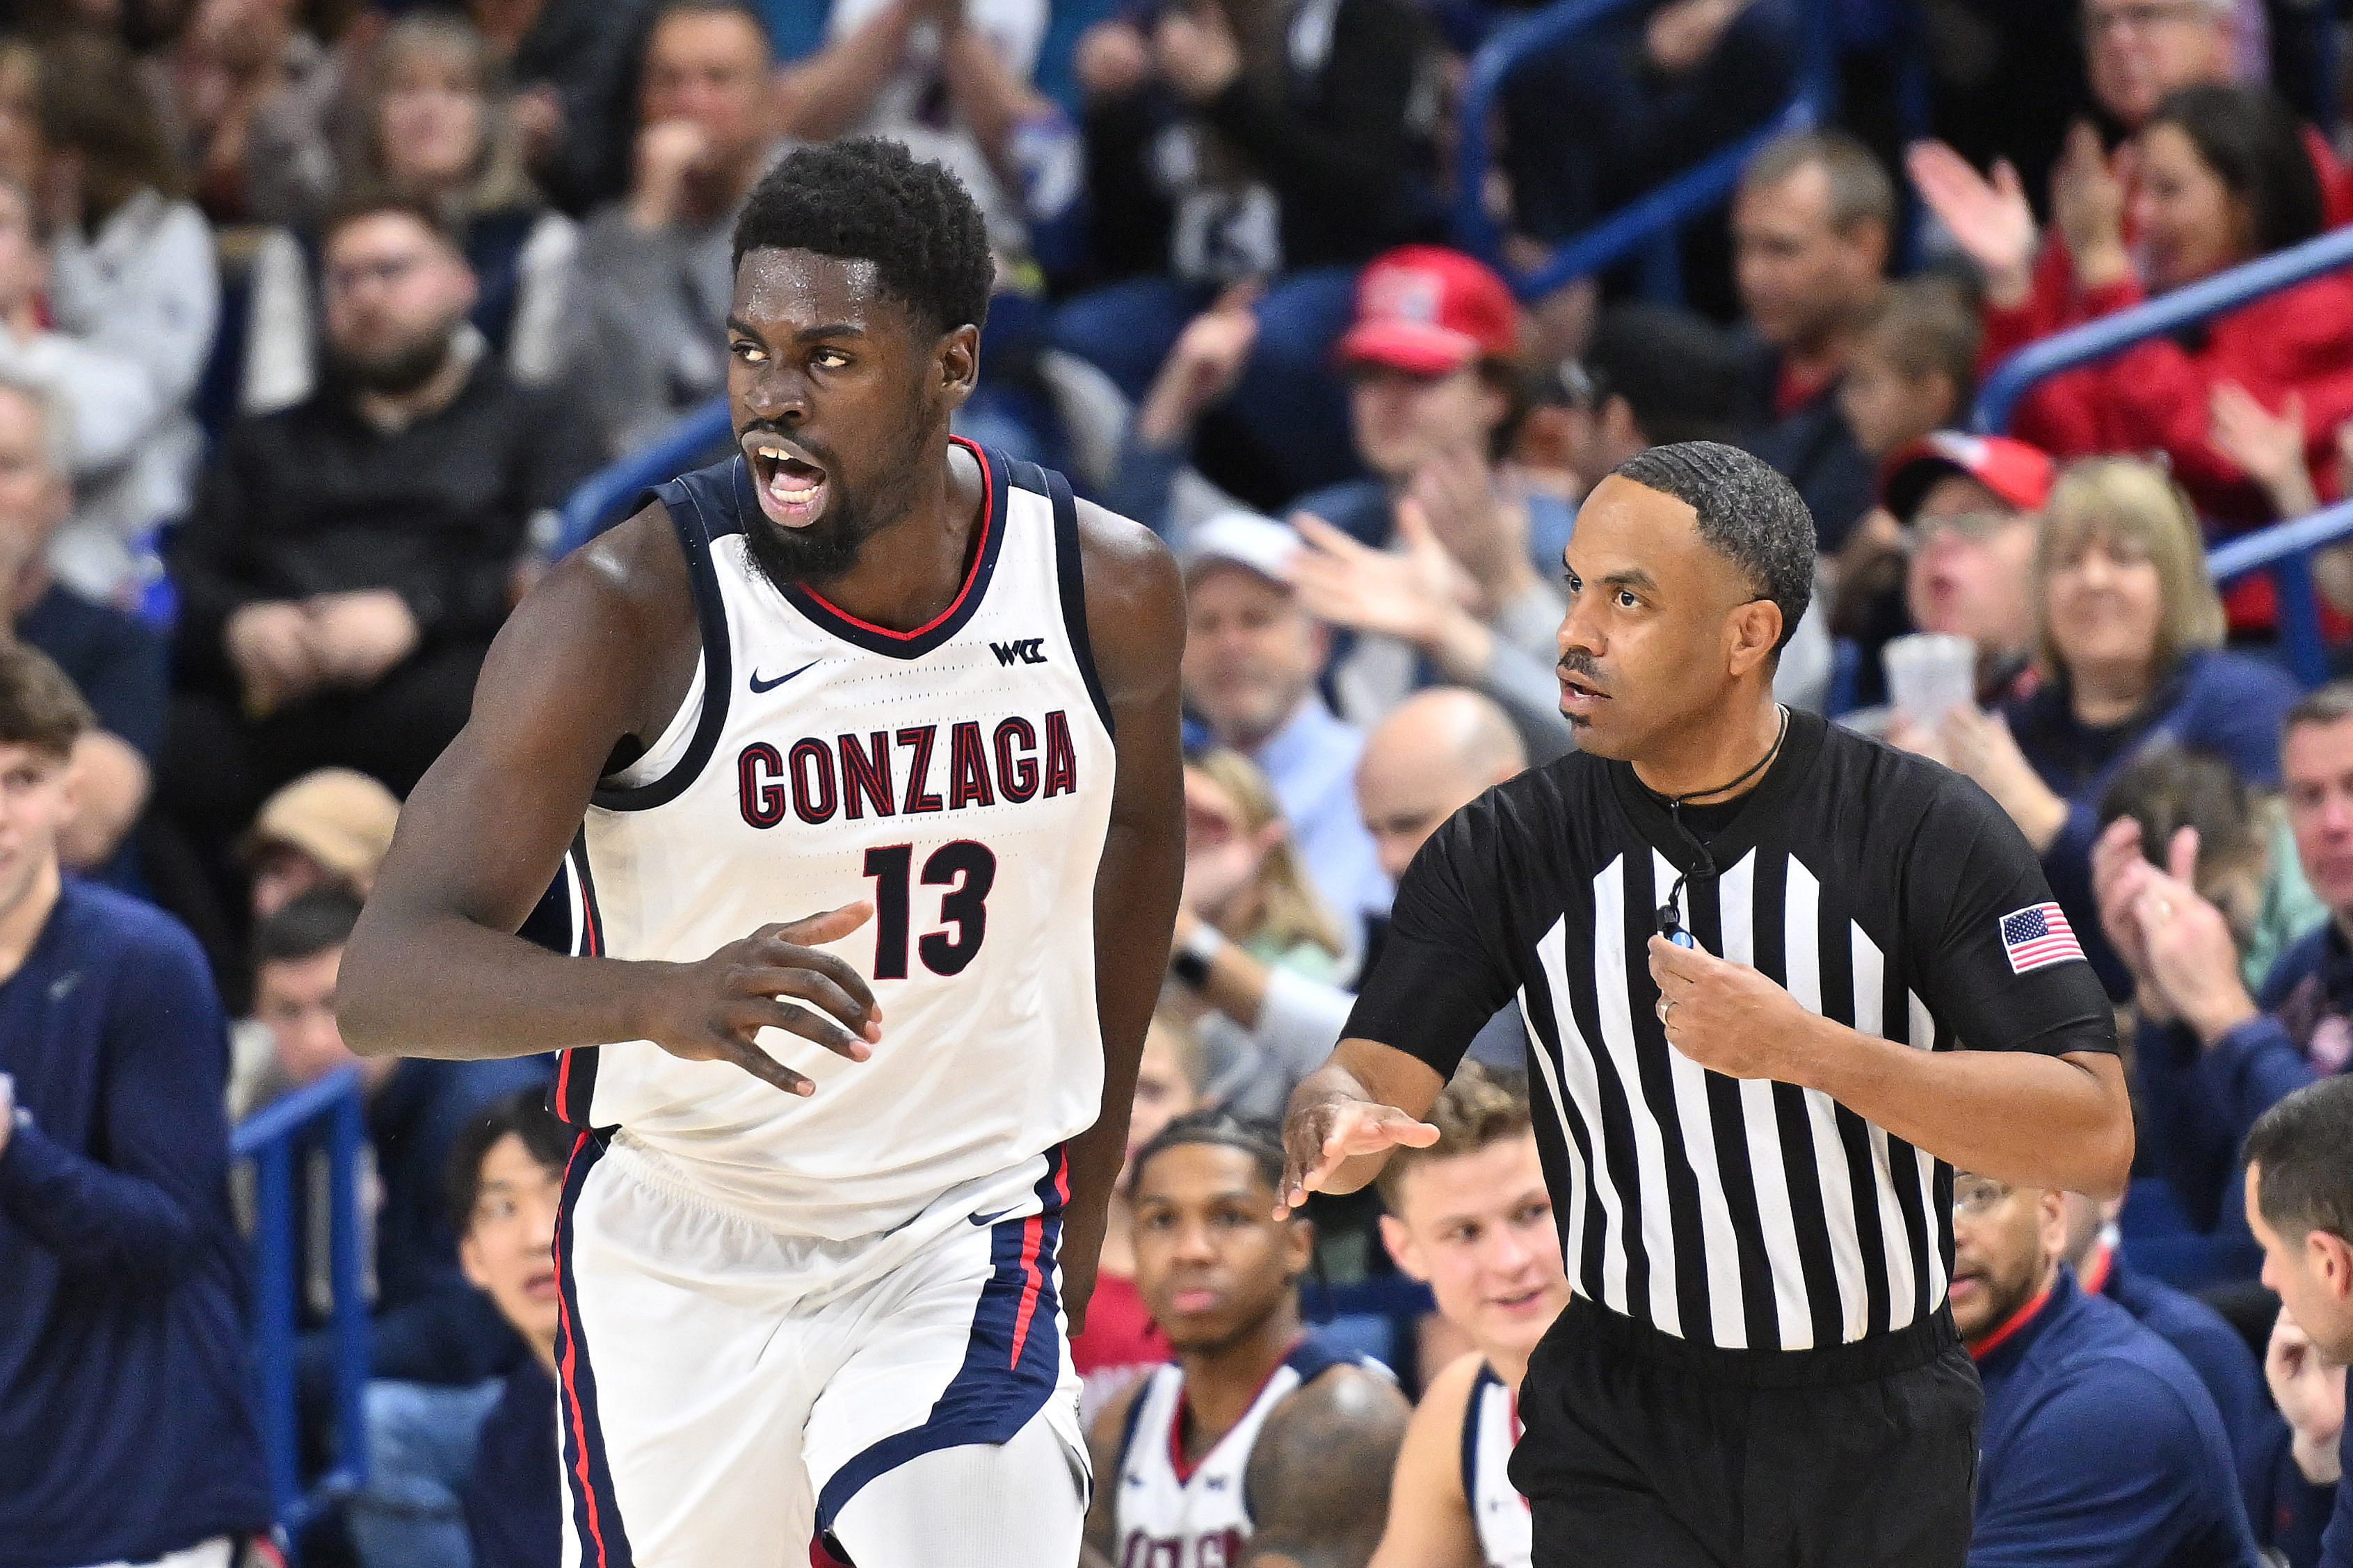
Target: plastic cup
1930, 674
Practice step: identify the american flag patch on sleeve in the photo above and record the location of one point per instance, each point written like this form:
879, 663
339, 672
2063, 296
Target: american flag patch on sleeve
2037, 936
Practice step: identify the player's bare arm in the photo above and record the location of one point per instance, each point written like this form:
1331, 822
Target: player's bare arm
1100, 1546
1136, 623
487, 828
2060, 1122
1346, 1116
1429, 1523
1319, 1474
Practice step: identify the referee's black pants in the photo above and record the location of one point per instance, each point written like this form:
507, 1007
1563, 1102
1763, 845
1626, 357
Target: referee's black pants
1642, 1451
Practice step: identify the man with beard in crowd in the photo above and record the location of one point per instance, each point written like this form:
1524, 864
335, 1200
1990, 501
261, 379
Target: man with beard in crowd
351, 557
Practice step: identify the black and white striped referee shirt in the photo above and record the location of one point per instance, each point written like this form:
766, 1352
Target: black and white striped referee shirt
1878, 888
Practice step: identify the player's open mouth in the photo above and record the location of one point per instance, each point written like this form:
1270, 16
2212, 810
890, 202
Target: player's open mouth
1526, 1302
792, 490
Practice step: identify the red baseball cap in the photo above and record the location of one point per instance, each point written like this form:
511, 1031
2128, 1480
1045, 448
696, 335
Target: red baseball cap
1429, 311
2020, 473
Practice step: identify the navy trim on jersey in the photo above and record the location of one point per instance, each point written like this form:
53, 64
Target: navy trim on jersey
697, 512
1070, 570
552, 922
595, 1511
573, 1091
995, 472
1471, 1414
1013, 1359
1135, 1418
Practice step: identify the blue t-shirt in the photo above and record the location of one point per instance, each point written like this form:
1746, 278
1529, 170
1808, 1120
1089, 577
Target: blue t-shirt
429, 1325
2102, 1449
126, 1426
2337, 1542
515, 1495
2199, 1102
116, 662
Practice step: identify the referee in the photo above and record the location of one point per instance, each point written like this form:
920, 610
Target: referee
1778, 980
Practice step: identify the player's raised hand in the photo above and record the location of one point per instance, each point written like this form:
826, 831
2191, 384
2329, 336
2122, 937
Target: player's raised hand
1319, 1138
714, 1010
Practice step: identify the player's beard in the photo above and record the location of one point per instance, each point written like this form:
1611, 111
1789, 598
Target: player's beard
829, 547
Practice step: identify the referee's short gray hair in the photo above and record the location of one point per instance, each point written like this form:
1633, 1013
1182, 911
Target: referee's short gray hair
1747, 514
57, 420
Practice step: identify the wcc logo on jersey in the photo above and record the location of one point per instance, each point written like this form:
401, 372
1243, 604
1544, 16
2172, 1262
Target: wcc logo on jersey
1025, 650
907, 771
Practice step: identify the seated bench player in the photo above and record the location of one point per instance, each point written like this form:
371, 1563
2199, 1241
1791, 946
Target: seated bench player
1469, 1216
1258, 1446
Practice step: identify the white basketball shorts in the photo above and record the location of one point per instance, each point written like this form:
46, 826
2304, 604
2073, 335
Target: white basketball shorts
726, 1390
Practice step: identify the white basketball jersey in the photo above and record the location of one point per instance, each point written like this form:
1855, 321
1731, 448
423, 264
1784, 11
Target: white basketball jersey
1490, 1426
958, 777
1170, 1516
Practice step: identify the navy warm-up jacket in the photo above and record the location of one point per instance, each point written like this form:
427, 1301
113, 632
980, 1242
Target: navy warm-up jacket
126, 1431
2102, 1449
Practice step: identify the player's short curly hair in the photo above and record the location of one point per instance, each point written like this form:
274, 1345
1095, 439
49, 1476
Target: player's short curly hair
869, 199
1257, 1136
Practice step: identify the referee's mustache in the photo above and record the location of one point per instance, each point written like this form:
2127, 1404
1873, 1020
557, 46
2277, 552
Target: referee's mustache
1581, 663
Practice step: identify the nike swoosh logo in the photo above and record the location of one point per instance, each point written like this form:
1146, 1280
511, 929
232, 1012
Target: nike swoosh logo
760, 685
62, 987
991, 1218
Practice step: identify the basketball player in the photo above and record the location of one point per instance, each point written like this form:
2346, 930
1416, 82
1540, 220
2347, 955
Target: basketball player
840, 1178
1778, 979
1470, 1218
1259, 1445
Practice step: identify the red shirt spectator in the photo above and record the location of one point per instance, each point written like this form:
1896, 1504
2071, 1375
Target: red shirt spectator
2136, 54
2222, 177
2058, 300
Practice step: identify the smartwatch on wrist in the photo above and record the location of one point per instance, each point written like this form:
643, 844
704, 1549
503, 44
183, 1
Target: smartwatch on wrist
1192, 961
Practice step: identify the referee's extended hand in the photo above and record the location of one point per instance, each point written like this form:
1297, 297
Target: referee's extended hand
1319, 1138
1726, 1017
713, 1011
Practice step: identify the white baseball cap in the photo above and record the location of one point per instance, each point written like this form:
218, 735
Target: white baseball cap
1246, 539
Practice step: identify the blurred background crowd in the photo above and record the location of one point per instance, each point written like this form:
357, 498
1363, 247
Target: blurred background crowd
313, 313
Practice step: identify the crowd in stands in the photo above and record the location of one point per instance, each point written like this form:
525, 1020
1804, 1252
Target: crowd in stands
313, 312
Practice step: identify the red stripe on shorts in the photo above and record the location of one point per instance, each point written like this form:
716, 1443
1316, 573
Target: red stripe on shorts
1033, 1235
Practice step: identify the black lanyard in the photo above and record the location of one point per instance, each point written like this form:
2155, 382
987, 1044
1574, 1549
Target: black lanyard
1670, 918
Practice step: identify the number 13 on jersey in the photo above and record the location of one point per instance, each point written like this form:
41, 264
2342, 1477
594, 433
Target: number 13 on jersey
965, 869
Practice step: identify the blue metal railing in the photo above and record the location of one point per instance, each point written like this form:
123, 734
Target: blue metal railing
1655, 219
2285, 549
275, 1139
590, 508
2183, 307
